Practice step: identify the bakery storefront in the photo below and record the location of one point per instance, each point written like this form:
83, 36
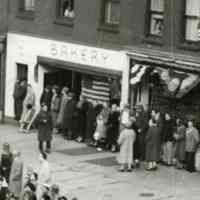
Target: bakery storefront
165, 84
97, 73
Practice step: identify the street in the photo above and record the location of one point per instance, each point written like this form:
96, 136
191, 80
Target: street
82, 172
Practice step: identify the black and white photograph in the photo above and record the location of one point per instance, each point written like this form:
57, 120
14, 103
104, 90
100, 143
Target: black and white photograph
99, 99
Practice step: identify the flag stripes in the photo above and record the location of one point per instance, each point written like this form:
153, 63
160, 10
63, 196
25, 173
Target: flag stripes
95, 89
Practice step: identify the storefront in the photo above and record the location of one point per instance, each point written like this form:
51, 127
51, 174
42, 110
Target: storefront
43, 62
165, 84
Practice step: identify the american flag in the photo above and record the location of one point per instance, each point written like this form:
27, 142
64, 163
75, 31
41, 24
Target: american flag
96, 89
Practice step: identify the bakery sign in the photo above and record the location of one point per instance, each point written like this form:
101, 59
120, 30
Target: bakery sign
84, 54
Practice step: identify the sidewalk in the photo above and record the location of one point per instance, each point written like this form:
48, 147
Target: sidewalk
78, 176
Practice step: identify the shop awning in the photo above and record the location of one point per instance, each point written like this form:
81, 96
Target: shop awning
177, 83
137, 72
86, 69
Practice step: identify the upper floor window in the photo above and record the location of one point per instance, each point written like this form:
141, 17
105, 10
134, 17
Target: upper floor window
192, 20
66, 8
29, 5
112, 12
156, 17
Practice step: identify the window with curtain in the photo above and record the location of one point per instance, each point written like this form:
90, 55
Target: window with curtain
192, 20
156, 17
29, 5
66, 8
112, 12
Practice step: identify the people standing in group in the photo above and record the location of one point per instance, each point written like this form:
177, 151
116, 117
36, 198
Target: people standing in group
16, 175
152, 145
113, 128
80, 119
55, 107
46, 96
19, 95
43, 122
68, 117
64, 99
179, 137
167, 140
126, 142
192, 140
6, 162
44, 174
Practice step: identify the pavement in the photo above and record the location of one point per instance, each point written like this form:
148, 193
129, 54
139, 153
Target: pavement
88, 181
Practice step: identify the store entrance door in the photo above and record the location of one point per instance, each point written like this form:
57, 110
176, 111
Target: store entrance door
63, 78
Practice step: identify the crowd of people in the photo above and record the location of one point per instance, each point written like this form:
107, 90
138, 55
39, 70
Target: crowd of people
17, 183
137, 135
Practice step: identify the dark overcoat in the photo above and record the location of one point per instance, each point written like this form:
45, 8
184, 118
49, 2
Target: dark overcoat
152, 144
69, 113
180, 143
44, 124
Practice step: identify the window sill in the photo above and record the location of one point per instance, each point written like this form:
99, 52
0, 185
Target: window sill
191, 46
154, 40
65, 21
109, 28
27, 15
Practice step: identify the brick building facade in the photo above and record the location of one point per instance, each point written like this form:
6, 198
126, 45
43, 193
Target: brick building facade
145, 32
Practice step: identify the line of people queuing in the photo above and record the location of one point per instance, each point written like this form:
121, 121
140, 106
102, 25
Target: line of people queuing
16, 183
139, 135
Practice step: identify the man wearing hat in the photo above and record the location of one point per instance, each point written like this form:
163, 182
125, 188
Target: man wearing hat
68, 118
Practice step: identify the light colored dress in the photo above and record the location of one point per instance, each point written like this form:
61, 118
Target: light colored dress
44, 177
100, 131
126, 141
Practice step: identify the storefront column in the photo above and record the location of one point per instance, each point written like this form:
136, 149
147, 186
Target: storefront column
125, 83
2, 77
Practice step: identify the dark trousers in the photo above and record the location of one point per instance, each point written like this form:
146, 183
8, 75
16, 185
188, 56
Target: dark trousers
41, 145
190, 159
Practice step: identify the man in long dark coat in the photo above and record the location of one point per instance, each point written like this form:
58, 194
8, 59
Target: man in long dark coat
44, 123
46, 97
19, 96
68, 117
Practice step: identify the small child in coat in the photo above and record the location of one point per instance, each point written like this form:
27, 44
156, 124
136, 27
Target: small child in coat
126, 141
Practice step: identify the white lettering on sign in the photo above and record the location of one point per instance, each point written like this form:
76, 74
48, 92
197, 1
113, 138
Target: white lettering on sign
79, 54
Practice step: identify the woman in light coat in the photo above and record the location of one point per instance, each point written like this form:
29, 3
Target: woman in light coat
28, 105
126, 141
44, 174
16, 175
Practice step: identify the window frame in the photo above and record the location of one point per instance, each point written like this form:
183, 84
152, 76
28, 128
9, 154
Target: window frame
183, 43
185, 17
152, 12
23, 13
60, 18
109, 27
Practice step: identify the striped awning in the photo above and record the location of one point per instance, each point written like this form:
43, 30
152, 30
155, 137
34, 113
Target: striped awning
137, 72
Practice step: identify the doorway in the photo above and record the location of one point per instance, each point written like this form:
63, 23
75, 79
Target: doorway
63, 78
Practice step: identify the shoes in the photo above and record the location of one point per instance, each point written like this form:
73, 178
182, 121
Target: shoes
121, 170
129, 170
